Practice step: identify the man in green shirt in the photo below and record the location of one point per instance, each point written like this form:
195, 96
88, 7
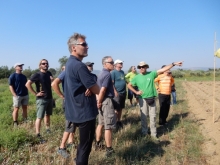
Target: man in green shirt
145, 83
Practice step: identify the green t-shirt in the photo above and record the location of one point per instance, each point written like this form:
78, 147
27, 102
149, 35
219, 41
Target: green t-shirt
145, 83
130, 76
119, 80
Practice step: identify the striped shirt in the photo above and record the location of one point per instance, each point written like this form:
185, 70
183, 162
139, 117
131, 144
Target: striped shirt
164, 83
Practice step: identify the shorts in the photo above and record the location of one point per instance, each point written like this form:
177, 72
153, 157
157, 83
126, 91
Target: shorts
107, 116
119, 101
20, 100
131, 94
70, 127
44, 106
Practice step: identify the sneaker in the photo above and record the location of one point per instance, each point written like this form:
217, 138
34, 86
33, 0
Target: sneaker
109, 152
15, 124
63, 152
70, 145
119, 125
98, 146
155, 138
48, 131
40, 139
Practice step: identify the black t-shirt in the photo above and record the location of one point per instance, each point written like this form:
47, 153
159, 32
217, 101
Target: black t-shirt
43, 83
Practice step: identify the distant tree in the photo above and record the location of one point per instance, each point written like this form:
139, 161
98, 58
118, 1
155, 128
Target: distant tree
4, 72
27, 72
34, 71
63, 61
53, 71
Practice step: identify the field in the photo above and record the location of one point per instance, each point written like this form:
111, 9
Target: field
190, 137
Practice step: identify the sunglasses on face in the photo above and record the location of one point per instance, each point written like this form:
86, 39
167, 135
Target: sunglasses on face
111, 62
90, 65
44, 63
20, 65
141, 67
84, 44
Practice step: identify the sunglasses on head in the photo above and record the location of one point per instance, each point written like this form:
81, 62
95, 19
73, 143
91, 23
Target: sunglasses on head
44, 63
84, 44
111, 62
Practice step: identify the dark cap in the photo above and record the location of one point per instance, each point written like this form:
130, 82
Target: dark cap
163, 66
89, 63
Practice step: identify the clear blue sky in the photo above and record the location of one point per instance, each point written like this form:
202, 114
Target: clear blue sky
157, 32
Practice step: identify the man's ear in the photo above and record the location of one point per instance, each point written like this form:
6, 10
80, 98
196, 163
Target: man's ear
73, 48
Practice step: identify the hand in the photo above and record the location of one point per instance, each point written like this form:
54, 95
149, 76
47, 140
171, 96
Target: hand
178, 63
99, 105
88, 93
116, 94
139, 93
41, 93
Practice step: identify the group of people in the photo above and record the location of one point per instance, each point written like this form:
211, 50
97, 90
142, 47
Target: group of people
85, 96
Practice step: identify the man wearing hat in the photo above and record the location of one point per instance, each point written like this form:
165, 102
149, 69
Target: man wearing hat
90, 68
19, 91
145, 83
118, 79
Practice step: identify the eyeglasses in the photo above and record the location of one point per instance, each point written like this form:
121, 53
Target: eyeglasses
20, 65
44, 63
90, 65
111, 62
84, 44
139, 67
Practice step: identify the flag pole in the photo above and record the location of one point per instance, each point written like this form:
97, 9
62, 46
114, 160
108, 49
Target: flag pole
214, 82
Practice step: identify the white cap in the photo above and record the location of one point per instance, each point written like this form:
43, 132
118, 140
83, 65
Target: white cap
18, 63
118, 61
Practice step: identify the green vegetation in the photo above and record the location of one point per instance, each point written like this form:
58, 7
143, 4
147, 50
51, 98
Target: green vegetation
180, 140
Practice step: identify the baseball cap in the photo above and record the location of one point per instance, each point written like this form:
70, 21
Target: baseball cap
118, 61
18, 63
89, 63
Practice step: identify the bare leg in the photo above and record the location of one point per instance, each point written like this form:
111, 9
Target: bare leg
24, 114
71, 137
108, 138
15, 113
38, 124
64, 139
47, 121
119, 115
99, 132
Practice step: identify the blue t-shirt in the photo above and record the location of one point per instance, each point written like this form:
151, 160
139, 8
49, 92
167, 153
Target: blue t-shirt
78, 107
119, 81
18, 81
61, 77
105, 80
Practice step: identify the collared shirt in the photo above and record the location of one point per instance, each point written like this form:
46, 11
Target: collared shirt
105, 80
78, 107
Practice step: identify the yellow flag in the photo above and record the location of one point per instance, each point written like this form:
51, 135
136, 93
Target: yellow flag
217, 53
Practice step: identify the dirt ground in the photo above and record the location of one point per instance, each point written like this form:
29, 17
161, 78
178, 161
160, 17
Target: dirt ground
200, 101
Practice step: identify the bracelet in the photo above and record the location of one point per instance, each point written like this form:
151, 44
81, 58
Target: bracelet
173, 64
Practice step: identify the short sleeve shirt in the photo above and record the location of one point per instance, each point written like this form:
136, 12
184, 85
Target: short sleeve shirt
105, 80
18, 81
78, 107
145, 83
61, 77
43, 83
119, 81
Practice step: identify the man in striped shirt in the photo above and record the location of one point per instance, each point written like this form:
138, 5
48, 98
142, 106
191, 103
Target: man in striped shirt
163, 85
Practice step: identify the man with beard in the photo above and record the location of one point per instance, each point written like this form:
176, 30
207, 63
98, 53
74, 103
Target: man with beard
80, 108
43, 94
19, 91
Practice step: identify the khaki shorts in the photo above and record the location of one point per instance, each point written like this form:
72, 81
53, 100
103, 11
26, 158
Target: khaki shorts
70, 127
107, 116
20, 100
44, 106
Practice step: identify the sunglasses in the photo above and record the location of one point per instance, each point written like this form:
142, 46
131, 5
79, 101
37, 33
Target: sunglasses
20, 65
44, 63
84, 44
139, 67
111, 62
90, 65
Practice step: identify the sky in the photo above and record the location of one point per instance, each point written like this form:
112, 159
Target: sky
157, 32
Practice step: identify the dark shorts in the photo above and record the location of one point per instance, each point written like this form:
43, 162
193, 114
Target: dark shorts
44, 106
119, 101
70, 127
131, 94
